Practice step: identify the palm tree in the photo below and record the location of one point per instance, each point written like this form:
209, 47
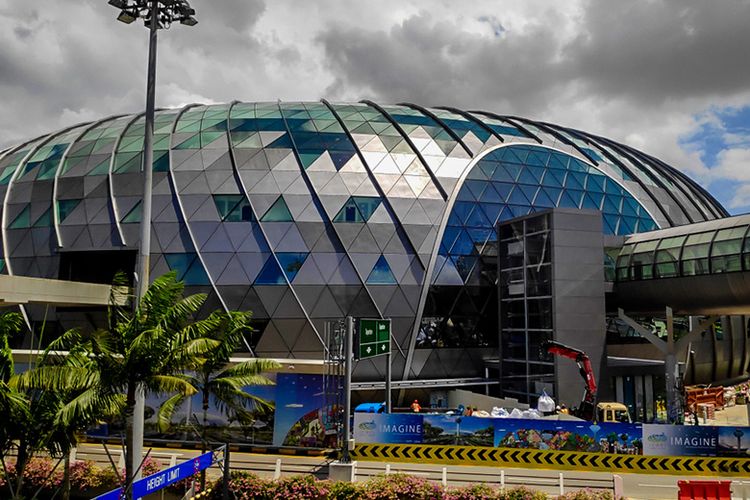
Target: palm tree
216, 378
14, 406
74, 401
147, 347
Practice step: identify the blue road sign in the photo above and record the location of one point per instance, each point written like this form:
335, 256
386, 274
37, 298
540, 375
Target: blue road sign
164, 478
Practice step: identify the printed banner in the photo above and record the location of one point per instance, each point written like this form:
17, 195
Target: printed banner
733, 442
680, 440
568, 435
394, 428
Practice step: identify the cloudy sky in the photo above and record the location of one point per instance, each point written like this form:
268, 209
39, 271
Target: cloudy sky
671, 77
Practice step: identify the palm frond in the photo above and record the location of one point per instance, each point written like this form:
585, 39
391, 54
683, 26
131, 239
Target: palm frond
166, 410
56, 378
167, 384
251, 367
88, 407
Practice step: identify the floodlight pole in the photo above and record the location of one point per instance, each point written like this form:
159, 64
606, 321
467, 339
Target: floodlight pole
348, 355
144, 251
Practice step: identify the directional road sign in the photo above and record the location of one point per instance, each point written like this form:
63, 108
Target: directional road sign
374, 337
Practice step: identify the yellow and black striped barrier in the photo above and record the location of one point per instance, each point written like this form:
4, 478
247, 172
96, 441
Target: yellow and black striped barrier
565, 460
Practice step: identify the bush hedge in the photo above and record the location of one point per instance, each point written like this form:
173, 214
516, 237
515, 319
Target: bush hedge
87, 478
247, 486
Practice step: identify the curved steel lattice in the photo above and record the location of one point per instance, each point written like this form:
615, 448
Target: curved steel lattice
304, 212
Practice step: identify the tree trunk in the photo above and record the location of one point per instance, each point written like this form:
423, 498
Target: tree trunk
129, 411
203, 438
66, 478
21, 461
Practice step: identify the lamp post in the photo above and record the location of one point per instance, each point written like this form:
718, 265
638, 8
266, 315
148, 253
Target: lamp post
156, 14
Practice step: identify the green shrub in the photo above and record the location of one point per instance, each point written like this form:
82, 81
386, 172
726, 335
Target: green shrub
342, 490
472, 492
587, 494
400, 487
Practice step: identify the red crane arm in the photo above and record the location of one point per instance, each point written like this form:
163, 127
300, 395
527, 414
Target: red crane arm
583, 361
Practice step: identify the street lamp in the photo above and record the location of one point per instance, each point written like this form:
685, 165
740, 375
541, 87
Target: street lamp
156, 14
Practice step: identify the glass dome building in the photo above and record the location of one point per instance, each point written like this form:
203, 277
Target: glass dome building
307, 212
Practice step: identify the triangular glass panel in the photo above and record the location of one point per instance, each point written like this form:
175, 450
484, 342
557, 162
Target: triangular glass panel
570, 199
630, 207
490, 195
271, 274
463, 245
501, 173
366, 205
282, 142
464, 264
308, 159
611, 204
476, 187
101, 169
65, 207
349, 213
552, 192
589, 202
575, 181
595, 183
517, 197
340, 158
44, 220
291, 263
526, 177
610, 223
477, 218
381, 273
492, 211
627, 225
504, 189
278, 212
22, 219
543, 200
195, 274
134, 215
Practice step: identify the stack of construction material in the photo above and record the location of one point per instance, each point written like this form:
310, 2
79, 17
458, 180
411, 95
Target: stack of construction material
706, 410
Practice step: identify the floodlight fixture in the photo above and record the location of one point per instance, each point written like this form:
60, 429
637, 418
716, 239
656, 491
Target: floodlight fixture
166, 12
127, 17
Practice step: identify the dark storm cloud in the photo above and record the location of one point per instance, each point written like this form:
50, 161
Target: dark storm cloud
668, 49
433, 62
642, 51
66, 62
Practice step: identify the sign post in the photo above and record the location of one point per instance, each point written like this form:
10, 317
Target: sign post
375, 340
164, 478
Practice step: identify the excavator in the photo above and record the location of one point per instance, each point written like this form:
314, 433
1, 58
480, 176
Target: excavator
588, 409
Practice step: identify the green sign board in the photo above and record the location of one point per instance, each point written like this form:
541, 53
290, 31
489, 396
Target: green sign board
374, 337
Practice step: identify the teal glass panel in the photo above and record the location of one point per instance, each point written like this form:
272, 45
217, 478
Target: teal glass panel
349, 213
65, 207
22, 219
278, 212
188, 267
134, 215
366, 205
44, 220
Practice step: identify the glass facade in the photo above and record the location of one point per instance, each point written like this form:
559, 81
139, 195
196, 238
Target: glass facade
716, 251
309, 211
525, 267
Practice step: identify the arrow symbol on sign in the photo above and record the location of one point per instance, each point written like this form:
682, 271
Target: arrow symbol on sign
382, 347
369, 349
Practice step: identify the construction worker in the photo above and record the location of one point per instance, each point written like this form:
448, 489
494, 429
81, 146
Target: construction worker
415, 406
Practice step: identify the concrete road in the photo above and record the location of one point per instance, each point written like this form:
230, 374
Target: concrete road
635, 486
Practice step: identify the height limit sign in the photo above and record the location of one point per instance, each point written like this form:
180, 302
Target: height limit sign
374, 337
